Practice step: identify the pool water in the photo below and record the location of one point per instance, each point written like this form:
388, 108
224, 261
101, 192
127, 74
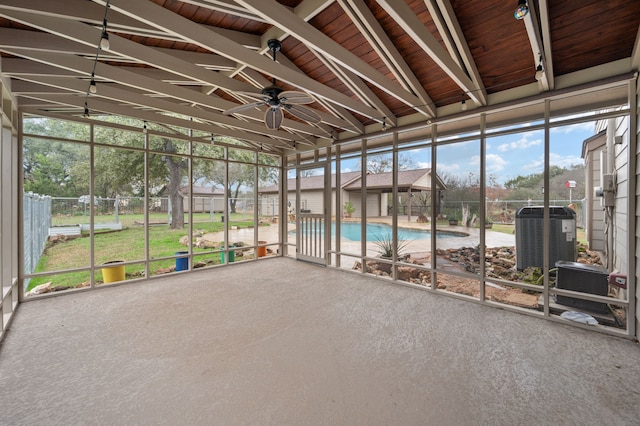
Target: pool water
376, 231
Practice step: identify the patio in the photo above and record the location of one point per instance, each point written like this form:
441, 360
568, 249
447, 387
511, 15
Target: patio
285, 342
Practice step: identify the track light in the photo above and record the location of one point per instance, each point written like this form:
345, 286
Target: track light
522, 10
92, 86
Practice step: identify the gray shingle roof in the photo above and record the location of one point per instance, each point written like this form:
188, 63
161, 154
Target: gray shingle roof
353, 181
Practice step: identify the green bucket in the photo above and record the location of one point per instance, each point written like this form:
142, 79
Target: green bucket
232, 256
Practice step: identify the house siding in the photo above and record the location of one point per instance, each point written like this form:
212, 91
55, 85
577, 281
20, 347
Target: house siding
373, 203
621, 164
594, 211
636, 153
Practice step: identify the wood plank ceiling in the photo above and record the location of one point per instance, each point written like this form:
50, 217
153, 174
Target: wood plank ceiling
364, 62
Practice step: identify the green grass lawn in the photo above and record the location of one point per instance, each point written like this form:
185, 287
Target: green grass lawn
133, 219
127, 245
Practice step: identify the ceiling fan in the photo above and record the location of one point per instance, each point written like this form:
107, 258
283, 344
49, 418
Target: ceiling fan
278, 99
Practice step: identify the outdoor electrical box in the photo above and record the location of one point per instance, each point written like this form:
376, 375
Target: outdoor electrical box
530, 236
583, 278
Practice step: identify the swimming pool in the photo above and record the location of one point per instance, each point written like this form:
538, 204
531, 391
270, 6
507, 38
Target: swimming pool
377, 231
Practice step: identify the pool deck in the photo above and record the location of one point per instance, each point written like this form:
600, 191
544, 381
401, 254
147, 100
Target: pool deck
492, 238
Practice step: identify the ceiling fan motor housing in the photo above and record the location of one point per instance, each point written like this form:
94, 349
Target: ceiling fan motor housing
272, 92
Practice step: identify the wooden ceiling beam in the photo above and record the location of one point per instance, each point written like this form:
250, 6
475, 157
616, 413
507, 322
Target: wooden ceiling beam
226, 6
108, 91
545, 28
357, 86
445, 18
158, 16
305, 11
137, 81
335, 120
318, 41
128, 111
537, 47
50, 43
406, 19
19, 66
384, 47
89, 35
93, 13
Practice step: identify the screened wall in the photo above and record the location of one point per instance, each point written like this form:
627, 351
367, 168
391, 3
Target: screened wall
131, 200
514, 185
128, 200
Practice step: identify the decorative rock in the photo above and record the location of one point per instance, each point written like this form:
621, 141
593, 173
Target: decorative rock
41, 289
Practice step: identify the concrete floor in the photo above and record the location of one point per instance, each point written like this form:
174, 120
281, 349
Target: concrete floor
285, 342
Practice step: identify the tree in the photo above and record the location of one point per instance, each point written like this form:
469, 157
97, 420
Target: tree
49, 168
530, 186
177, 167
241, 172
383, 163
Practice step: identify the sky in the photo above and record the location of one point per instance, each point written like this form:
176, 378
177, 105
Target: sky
508, 156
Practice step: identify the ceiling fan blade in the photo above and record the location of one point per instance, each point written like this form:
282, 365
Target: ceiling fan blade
303, 113
243, 107
273, 118
294, 97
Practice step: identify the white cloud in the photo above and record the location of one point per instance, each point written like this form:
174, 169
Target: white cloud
521, 143
451, 168
537, 166
424, 164
588, 126
494, 162
534, 167
564, 160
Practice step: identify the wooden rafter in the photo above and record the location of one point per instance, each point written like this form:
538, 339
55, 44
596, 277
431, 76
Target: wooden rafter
447, 24
322, 43
158, 16
423, 38
384, 47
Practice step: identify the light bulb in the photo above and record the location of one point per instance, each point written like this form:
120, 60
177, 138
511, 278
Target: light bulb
104, 41
92, 86
464, 105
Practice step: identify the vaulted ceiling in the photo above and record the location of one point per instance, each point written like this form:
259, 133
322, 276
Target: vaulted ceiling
365, 63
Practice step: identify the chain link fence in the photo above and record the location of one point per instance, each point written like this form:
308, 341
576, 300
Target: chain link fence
504, 211
37, 220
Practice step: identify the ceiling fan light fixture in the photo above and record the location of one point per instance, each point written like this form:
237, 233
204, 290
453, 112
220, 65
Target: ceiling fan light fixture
521, 10
273, 118
277, 100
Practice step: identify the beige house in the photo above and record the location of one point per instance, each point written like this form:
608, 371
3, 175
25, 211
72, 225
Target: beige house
379, 188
